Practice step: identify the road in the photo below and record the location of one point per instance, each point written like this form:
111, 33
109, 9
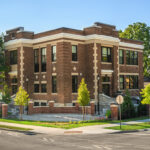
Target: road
10, 140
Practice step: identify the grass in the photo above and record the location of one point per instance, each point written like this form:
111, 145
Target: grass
14, 128
138, 126
64, 125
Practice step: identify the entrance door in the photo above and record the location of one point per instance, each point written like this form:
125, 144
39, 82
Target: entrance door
106, 89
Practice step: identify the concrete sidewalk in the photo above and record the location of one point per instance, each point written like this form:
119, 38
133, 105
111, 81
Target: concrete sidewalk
95, 129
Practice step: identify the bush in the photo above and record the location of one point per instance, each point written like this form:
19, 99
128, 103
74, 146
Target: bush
142, 110
127, 108
108, 114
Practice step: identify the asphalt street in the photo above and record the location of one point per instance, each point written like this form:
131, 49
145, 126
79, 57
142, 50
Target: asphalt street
10, 140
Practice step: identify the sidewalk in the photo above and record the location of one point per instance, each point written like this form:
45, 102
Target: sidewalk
96, 129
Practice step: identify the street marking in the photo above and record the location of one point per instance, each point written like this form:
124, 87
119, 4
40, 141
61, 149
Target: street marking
102, 147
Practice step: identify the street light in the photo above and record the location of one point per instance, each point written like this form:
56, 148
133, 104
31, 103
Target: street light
27, 80
98, 78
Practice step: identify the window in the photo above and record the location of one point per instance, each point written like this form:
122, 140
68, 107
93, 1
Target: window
132, 57
105, 79
74, 84
43, 104
14, 89
54, 84
14, 80
121, 57
36, 88
74, 53
36, 104
53, 51
121, 82
43, 59
13, 57
106, 54
132, 82
36, 60
43, 88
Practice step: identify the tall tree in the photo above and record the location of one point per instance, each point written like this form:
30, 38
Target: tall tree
146, 96
83, 96
3, 67
22, 99
140, 31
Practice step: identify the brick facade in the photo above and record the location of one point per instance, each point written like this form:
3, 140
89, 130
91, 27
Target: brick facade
88, 64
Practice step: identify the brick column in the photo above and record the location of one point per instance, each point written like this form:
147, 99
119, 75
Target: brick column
114, 111
30, 108
51, 104
92, 104
4, 110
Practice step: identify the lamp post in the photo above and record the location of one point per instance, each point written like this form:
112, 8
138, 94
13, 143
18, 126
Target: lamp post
98, 109
27, 80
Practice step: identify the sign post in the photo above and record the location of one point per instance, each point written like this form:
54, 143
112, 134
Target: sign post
120, 100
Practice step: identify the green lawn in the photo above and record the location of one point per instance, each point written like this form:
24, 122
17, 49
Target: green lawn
14, 128
64, 125
131, 127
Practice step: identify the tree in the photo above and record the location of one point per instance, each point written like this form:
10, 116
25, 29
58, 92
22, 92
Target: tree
146, 96
127, 108
6, 97
22, 99
139, 31
83, 96
3, 67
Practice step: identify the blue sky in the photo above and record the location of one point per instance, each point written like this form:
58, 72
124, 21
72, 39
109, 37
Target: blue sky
43, 15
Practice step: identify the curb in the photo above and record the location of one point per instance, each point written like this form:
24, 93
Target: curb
70, 132
131, 131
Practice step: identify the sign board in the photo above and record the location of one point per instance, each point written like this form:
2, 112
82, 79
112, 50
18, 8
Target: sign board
119, 99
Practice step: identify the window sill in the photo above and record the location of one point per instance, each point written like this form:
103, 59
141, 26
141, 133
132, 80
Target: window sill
43, 72
74, 93
106, 63
129, 89
132, 65
53, 62
40, 93
54, 93
74, 61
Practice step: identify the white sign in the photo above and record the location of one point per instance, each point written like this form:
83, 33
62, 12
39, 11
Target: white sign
119, 99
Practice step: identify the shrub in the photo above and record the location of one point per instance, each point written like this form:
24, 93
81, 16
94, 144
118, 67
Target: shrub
108, 114
127, 108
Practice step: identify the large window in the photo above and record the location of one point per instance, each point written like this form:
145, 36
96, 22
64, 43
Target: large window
53, 51
54, 84
36, 88
121, 57
43, 88
132, 58
121, 79
43, 59
13, 57
36, 60
106, 54
74, 53
132, 82
74, 84
14, 89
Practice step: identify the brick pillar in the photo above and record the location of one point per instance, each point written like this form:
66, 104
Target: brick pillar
92, 104
51, 104
4, 110
77, 105
114, 111
30, 108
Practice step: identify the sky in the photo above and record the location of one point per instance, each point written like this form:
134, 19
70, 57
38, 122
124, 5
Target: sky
43, 15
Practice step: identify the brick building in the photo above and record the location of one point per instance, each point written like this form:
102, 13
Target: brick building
51, 64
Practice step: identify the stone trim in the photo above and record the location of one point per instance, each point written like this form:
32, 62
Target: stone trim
95, 68
21, 66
